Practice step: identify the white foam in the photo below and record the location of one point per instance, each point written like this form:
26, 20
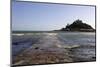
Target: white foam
18, 34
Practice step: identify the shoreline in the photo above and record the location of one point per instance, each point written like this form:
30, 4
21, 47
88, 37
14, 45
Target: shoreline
50, 49
47, 31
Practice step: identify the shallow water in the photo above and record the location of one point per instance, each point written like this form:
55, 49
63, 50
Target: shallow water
81, 38
84, 40
23, 41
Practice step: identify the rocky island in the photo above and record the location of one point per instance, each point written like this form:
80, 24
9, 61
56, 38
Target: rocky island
78, 25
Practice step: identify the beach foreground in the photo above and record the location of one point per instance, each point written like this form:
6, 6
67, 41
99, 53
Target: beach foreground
47, 48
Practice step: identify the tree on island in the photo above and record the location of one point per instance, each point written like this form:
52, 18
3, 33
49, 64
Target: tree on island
77, 25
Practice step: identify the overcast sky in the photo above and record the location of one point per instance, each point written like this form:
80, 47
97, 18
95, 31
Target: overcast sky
45, 17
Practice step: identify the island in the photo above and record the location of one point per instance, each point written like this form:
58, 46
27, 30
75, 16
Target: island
78, 25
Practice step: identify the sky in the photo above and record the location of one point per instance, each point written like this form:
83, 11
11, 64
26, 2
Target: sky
31, 16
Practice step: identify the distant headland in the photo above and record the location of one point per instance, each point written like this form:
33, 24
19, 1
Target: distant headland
78, 25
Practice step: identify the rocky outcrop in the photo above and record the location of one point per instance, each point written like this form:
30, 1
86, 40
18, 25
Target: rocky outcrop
78, 25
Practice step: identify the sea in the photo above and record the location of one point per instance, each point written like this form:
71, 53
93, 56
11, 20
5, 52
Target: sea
85, 40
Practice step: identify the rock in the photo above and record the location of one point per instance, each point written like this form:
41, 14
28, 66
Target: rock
36, 47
